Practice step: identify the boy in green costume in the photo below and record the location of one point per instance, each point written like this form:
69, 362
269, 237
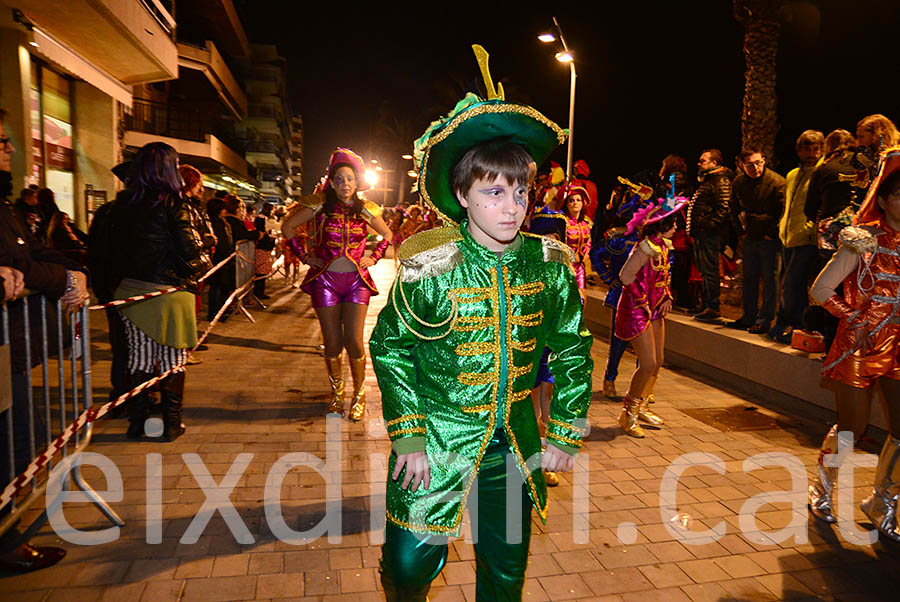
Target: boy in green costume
457, 348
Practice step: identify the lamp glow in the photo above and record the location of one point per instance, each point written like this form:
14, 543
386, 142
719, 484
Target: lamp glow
564, 57
547, 38
412, 173
371, 177
407, 157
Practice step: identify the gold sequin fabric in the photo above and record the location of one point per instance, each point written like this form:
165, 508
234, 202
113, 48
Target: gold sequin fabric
460, 387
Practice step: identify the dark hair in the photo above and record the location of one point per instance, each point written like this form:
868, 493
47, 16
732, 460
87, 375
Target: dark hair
27, 192
489, 160
809, 138
154, 173
747, 151
657, 228
214, 206
190, 175
331, 198
577, 193
2, 115
47, 201
715, 155
888, 185
232, 203
672, 164
267, 209
837, 142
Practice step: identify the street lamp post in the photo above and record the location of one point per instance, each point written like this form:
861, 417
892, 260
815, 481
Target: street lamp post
565, 57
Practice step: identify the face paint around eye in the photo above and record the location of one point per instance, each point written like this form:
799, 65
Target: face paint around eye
521, 197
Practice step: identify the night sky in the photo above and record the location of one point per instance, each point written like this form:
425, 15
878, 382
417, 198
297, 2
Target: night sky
653, 77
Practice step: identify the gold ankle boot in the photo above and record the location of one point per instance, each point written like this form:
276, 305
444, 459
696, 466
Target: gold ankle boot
336, 378
609, 388
628, 417
358, 403
647, 415
648, 390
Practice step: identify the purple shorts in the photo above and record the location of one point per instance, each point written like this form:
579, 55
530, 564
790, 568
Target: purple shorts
332, 288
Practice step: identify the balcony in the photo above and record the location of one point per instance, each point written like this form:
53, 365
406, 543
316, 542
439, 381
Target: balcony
131, 41
186, 128
207, 60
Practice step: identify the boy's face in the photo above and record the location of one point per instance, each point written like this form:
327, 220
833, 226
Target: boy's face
496, 210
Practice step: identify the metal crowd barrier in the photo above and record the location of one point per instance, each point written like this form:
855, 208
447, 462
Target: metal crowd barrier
62, 377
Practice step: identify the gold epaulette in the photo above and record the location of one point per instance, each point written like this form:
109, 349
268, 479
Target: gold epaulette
371, 211
862, 239
313, 201
430, 253
554, 250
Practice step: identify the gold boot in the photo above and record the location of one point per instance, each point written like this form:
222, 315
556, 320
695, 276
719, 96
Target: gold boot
336, 378
358, 403
648, 390
628, 417
609, 388
647, 415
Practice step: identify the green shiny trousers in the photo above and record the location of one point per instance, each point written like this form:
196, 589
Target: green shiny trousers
410, 561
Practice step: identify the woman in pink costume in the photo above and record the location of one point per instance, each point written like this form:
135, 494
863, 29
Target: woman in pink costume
338, 278
578, 231
644, 302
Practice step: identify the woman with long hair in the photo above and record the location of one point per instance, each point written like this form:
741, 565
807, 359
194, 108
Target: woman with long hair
160, 249
643, 305
338, 278
864, 355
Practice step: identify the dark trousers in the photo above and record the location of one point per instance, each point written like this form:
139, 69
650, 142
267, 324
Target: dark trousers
760, 258
799, 263
616, 350
410, 562
706, 253
681, 279
118, 372
21, 446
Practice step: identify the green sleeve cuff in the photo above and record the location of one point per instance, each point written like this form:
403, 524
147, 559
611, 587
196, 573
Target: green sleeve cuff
565, 448
408, 445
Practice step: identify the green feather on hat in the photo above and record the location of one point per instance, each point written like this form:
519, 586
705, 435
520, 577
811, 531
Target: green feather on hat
475, 121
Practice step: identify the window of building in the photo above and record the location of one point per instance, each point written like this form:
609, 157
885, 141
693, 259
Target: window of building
51, 132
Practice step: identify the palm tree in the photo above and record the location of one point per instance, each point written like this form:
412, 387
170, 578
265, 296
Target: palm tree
762, 22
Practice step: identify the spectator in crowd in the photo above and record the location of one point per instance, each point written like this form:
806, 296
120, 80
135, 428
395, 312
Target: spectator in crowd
193, 196
163, 250
708, 222
62, 237
829, 197
27, 206
28, 264
876, 133
222, 282
684, 294
264, 247
758, 200
798, 238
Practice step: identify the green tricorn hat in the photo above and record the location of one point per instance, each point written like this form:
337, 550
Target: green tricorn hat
474, 121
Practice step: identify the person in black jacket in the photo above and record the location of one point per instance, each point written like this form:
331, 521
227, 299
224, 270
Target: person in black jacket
222, 282
709, 223
162, 250
264, 246
33, 266
758, 199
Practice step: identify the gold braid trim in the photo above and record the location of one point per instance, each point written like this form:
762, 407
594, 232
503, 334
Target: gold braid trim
527, 289
519, 395
566, 440
371, 211
475, 379
405, 418
574, 429
451, 319
419, 430
475, 348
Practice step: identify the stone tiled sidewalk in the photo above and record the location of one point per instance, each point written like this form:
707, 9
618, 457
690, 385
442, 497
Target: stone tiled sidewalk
261, 390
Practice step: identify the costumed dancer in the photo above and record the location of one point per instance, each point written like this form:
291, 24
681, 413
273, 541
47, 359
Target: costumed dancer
607, 258
457, 347
643, 304
865, 349
338, 278
578, 230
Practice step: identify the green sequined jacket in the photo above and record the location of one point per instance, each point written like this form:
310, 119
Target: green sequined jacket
456, 352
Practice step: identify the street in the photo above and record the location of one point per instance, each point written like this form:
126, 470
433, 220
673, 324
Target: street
262, 390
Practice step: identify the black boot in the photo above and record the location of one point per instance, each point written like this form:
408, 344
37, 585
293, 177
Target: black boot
259, 289
172, 392
138, 409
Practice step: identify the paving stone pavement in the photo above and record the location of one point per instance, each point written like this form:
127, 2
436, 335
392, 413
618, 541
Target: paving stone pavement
260, 394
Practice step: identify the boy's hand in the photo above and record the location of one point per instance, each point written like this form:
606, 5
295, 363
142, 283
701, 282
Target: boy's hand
556, 460
417, 470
